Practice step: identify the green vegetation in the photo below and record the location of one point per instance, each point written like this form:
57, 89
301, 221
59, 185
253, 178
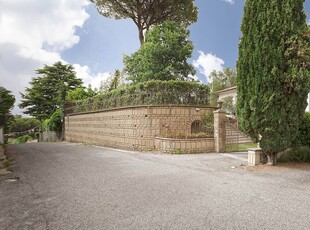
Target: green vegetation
178, 151
228, 105
163, 56
186, 136
303, 136
114, 81
221, 80
273, 73
148, 13
241, 147
7, 101
6, 163
22, 139
48, 91
20, 124
299, 154
208, 124
53, 123
80, 94
147, 93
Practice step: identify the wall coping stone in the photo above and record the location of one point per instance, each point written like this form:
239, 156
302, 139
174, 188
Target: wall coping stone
142, 106
183, 139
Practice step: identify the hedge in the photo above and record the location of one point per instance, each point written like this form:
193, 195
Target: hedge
153, 92
303, 136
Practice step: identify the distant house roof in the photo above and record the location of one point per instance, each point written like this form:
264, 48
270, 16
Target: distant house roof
225, 90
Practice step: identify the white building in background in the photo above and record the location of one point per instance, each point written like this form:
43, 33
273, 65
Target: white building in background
232, 92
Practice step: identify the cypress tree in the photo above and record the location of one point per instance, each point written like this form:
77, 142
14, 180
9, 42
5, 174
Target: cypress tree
273, 72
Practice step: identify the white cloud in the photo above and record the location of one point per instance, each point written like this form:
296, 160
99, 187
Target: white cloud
229, 1
84, 73
34, 33
206, 63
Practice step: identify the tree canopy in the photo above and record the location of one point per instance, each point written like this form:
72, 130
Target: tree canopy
7, 101
147, 13
48, 91
163, 56
21, 124
80, 94
114, 81
273, 72
221, 80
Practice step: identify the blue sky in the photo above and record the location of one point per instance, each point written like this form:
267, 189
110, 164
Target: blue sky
36, 32
103, 41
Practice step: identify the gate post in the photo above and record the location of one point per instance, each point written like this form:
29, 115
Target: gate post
220, 130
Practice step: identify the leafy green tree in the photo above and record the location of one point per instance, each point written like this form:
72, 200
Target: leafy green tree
163, 56
112, 82
21, 124
53, 123
81, 94
147, 13
7, 101
48, 91
221, 80
273, 72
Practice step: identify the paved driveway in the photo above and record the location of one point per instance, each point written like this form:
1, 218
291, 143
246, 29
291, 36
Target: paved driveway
69, 186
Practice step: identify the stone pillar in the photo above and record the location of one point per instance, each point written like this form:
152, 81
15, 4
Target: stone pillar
220, 131
254, 156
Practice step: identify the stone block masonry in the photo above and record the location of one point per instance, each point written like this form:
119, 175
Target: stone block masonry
132, 128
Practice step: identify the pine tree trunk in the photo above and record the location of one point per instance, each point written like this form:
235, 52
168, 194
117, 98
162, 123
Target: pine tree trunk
141, 36
272, 159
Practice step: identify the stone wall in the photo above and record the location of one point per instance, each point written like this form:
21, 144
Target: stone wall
131, 127
195, 145
49, 136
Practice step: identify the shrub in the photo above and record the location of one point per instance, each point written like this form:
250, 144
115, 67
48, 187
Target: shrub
53, 123
299, 154
303, 136
185, 136
21, 139
208, 124
154, 92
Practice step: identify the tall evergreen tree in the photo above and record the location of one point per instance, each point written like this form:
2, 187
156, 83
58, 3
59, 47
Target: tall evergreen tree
49, 90
273, 72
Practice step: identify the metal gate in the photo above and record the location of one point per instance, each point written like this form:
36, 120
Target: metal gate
232, 135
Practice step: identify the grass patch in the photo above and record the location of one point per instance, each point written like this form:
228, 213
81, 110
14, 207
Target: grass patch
241, 147
6, 163
186, 136
21, 139
299, 154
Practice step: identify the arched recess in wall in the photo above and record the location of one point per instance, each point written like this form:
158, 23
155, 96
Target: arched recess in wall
196, 126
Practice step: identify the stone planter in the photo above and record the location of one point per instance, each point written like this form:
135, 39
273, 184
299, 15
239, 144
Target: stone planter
176, 145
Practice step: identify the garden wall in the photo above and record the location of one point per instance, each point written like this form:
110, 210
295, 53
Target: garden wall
131, 127
49, 136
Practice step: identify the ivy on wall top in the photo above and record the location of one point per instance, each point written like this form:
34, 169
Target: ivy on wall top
154, 92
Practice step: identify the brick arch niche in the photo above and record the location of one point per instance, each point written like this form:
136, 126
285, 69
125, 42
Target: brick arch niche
196, 126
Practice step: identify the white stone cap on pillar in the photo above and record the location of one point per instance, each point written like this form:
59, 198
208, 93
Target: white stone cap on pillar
254, 156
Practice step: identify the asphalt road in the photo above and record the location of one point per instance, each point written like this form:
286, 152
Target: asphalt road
69, 186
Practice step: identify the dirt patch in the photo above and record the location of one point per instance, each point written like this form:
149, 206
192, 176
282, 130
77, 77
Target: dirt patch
279, 167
